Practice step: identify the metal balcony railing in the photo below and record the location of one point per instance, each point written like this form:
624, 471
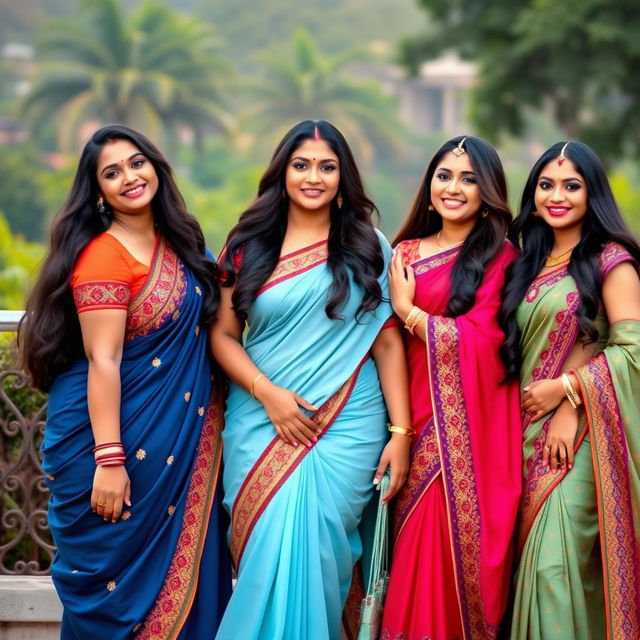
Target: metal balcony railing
26, 547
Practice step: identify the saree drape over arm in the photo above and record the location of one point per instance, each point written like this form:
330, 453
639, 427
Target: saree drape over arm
455, 516
161, 571
579, 573
295, 511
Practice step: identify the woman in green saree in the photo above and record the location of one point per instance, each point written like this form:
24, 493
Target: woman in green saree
571, 315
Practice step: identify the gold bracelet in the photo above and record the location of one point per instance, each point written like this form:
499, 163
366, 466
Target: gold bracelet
568, 390
403, 430
253, 384
574, 393
415, 316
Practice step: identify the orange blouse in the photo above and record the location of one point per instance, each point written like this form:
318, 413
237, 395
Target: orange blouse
106, 275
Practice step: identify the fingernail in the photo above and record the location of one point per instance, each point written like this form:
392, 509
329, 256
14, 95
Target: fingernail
314, 407
295, 444
376, 480
308, 444
315, 439
570, 466
525, 388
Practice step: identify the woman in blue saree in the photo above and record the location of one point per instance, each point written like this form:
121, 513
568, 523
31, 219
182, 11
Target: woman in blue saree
311, 386
132, 447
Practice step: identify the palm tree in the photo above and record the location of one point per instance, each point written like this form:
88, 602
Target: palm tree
306, 84
156, 70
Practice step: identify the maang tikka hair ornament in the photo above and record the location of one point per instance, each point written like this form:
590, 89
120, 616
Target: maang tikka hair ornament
562, 157
458, 151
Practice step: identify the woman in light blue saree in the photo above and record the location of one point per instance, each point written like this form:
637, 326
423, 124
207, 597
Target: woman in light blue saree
319, 371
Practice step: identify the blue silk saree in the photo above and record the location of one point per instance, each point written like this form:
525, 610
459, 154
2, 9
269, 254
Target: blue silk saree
162, 570
295, 511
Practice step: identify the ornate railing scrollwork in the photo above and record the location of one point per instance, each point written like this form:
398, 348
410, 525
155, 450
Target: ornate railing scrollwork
26, 547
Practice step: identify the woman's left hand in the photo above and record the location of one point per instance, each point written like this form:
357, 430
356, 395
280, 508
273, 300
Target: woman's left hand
402, 286
396, 456
542, 397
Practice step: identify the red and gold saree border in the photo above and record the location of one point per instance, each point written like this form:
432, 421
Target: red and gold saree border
273, 467
453, 433
619, 540
173, 604
161, 296
293, 264
424, 466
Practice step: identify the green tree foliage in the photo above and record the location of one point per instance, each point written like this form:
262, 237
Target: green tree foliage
577, 59
301, 82
20, 198
156, 70
18, 262
336, 25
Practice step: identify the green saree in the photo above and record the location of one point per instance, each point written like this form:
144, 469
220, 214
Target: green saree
578, 542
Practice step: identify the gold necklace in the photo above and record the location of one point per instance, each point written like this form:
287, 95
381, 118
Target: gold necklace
554, 261
449, 246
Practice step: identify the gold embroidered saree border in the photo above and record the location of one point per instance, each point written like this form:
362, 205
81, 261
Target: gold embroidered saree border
452, 429
298, 262
273, 467
161, 295
173, 604
424, 466
619, 542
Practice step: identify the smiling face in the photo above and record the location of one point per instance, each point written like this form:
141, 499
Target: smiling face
561, 196
454, 190
126, 178
312, 177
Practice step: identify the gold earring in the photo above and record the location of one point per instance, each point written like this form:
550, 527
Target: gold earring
431, 207
485, 212
100, 205
339, 202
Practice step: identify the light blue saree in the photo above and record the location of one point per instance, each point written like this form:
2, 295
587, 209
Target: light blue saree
295, 511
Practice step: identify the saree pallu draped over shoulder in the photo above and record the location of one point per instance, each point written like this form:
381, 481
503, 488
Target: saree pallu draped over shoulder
579, 574
161, 571
455, 516
295, 510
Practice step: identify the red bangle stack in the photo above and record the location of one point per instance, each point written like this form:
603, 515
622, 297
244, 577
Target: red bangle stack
111, 458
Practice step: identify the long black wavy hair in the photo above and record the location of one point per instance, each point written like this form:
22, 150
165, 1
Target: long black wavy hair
258, 236
488, 234
49, 334
602, 223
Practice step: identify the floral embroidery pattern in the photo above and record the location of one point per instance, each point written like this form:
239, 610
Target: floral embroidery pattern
620, 552
296, 263
161, 296
272, 469
166, 618
98, 294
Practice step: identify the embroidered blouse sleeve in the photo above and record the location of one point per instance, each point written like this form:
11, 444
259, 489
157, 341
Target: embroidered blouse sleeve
612, 255
102, 278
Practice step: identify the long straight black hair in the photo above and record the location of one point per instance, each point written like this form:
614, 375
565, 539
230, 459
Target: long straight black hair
258, 236
602, 223
49, 334
488, 234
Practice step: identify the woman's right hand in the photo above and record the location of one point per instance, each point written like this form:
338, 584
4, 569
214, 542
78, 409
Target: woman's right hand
111, 488
283, 408
558, 450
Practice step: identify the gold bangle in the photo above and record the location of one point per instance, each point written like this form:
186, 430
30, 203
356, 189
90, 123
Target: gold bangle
568, 390
403, 430
253, 384
576, 395
415, 316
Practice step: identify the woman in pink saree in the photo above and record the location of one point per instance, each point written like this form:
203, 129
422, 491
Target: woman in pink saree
455, 516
